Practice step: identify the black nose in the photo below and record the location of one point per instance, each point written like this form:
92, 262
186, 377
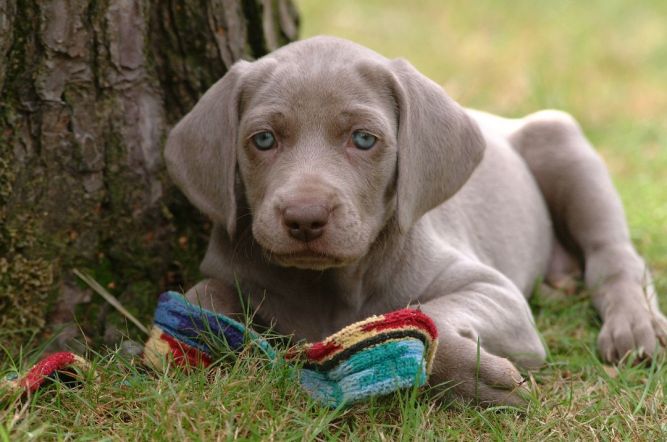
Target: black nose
306, 222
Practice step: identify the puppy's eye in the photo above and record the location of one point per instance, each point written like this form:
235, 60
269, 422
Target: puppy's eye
363, 140
263, 140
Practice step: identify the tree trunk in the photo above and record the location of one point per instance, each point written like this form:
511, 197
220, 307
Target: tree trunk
89, 90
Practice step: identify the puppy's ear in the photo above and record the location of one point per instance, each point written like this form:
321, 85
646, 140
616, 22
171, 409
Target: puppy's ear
439, 146
201, 149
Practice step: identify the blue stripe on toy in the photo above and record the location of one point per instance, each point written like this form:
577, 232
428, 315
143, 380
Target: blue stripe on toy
192, 325
375, 371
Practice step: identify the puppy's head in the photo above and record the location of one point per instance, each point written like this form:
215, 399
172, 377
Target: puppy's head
330, 142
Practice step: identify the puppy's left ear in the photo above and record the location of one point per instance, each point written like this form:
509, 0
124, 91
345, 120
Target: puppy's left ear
439, 146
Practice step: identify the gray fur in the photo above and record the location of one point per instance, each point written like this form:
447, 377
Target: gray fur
455, 211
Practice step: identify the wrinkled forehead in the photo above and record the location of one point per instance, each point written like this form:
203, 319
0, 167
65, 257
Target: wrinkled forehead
319, 80
316, 91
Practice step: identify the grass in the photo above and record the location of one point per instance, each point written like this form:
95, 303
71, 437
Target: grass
574, 397
604, 61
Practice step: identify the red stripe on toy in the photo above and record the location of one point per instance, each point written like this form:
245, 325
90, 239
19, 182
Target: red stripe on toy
321, 350
44, 368
403, 318
184, 354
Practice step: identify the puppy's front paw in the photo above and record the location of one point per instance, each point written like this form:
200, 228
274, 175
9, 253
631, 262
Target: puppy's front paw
631, 328
476, 375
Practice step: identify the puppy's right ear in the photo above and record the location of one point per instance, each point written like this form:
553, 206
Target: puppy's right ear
201, 149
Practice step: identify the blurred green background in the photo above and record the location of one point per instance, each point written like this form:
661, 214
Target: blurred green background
605, 62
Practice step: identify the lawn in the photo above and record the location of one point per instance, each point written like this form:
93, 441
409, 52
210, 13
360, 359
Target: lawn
605, 62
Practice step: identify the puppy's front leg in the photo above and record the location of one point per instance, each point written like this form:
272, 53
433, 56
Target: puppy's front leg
216, 296
484, 325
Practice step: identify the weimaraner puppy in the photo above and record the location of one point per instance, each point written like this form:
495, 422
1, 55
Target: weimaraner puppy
343, 184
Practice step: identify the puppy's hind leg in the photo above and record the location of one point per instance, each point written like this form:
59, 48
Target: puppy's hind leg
587, 210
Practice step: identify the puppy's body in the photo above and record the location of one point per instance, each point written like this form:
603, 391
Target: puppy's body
514, 236
447, 209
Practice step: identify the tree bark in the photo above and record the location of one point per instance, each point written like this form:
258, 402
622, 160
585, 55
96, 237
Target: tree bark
89, 90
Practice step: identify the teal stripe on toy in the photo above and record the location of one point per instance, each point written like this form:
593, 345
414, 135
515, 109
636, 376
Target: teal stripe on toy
374, 371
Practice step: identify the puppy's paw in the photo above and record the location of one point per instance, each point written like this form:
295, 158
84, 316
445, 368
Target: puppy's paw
476, 375
632, 329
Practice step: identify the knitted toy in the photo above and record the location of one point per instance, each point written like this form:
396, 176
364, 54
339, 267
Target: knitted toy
64, 365
373, 357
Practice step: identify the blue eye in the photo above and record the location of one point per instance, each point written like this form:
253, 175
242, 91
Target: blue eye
263, 140
363, 140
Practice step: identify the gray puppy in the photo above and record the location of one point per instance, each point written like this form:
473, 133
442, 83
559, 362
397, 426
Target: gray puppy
343, 184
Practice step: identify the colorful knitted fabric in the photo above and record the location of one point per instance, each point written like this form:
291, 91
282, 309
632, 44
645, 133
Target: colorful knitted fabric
184, 332
62, 364
369, 358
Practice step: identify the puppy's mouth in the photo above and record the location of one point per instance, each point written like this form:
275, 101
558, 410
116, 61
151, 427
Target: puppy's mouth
308, 259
